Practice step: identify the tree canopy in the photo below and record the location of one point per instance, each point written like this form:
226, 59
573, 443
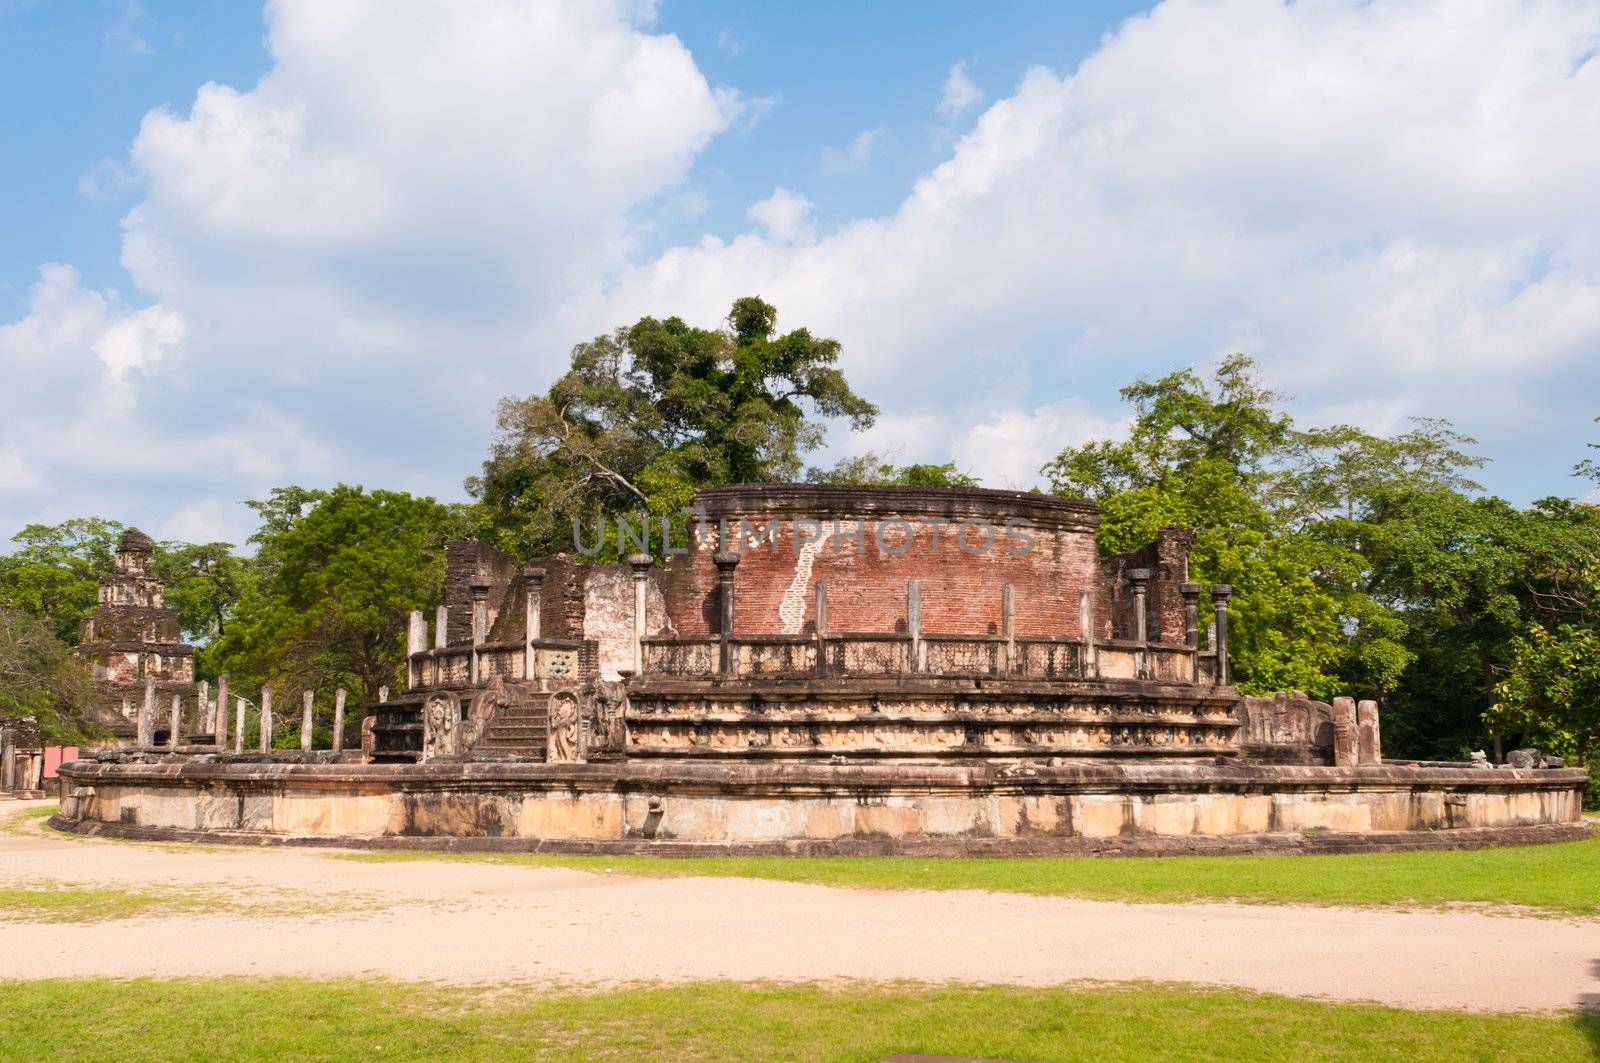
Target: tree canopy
654, 410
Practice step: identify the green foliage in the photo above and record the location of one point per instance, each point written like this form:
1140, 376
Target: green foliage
651, 412
339, 571
204, 581
872, 469
55, 571
1352, 556
40, 678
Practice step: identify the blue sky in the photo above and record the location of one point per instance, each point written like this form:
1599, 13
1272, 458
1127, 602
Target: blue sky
310, 243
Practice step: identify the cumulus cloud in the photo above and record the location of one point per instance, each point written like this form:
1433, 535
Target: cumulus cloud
959, 94
783, 215
343, 266
1381, 201
853, 157
420, 208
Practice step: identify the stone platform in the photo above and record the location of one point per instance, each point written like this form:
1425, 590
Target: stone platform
808, 808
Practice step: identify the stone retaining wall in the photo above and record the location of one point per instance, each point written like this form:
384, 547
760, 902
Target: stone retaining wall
826, 808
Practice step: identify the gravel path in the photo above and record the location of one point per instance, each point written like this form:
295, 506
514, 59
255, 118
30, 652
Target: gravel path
483, 923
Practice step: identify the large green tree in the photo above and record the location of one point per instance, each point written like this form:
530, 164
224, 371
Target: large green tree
54, 572
39, 677
339, 571
654, 410
1276, 508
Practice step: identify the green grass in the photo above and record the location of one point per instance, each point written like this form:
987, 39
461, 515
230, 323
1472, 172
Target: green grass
52, 903
1561, 878
240, 1019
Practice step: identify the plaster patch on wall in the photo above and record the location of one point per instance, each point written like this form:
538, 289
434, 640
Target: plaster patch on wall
792, 610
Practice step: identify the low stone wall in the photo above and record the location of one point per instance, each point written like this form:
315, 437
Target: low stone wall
706, 807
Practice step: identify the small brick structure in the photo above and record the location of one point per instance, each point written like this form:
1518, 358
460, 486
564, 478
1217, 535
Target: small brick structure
840, 669
133, 641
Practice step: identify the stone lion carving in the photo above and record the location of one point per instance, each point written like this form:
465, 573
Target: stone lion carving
441, 714
566, 721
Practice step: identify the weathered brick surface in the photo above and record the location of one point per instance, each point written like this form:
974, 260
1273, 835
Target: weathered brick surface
1047, 554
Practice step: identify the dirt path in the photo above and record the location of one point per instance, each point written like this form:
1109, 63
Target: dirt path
480, 923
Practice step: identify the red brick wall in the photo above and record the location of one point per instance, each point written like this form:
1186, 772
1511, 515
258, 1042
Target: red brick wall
867, 581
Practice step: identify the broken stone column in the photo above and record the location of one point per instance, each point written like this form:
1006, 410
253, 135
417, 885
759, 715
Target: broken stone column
1139, 583
1345, 750
726, 561
1220, 593
338, 720
204, 720
640, 563
1008, 627
220, 731
1091, 661
822, 626
1191, 613
266, 718
238, 725
480, 623
307, 701
146, 731
533, 593
416, 639
1369, 745
914, 623
441, 627
175, 723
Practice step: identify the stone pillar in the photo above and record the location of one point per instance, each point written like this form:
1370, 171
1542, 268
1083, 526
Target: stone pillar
1191, 613
1369, 743
307, 701
1220, 593
640, 564
8, 771
480, 623
1344, 732
203, 718
822, 626
1139, 581
221, 734
416, 639
1091, 660
238, 725
533, 595
726, 561
175, 722
338, 720
266, 718
441, 627
383, 695
1008, 627
146, 734
914, 623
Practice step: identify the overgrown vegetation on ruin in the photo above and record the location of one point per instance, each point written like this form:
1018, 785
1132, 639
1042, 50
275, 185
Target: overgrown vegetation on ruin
1363, 564
111, 1020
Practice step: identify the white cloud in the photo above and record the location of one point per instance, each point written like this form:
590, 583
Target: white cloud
1381, 200
959, 94
421, 207
343, 266
853, 157
784, 216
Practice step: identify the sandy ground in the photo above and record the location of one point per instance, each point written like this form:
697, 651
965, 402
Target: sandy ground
481, 923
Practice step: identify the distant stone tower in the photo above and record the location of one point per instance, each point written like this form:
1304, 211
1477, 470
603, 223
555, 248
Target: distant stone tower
131, 635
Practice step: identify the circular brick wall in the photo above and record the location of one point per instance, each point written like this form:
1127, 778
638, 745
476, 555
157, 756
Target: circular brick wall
867, 543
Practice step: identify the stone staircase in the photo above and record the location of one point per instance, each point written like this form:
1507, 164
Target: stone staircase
520, 728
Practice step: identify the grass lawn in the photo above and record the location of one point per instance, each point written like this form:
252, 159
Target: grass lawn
1561, 878
53, 903
232, 1019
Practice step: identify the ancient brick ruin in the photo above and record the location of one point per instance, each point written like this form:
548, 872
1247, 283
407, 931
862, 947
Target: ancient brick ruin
142, 667
834, 669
